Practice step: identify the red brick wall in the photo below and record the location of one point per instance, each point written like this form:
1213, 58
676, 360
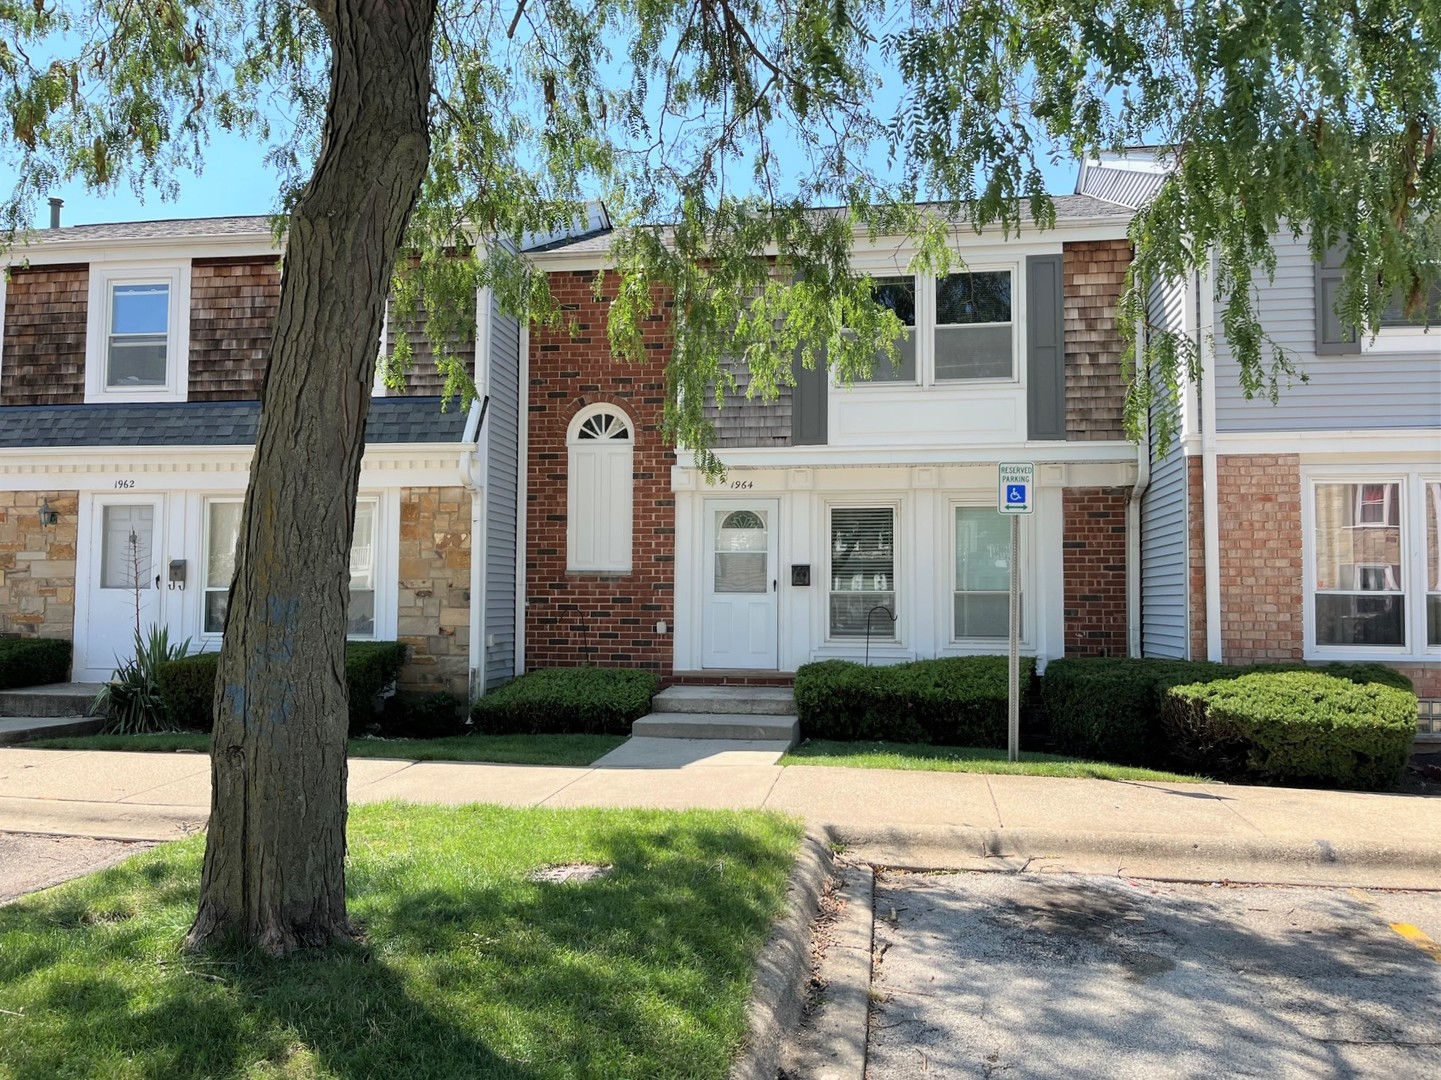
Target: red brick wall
606, 619
1259, 504
1095, 272
1093, 542
1196, 553
1425, 677
232, 309
45, 309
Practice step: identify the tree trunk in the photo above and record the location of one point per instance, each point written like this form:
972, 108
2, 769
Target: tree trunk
275, 855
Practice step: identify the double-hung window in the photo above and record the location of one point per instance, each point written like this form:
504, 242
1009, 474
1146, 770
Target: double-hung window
863, 573
982, 598
222, 532
137, 333
962, 327
1374, 574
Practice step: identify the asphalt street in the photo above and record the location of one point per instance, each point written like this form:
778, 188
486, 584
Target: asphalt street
1029, 976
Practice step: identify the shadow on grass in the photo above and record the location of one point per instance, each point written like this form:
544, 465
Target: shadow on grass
467, 968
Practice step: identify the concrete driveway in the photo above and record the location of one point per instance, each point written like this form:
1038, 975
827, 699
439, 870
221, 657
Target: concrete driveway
1061, 976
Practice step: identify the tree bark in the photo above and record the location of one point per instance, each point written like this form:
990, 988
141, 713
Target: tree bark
274, 874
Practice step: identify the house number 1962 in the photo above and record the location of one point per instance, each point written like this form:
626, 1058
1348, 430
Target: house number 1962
124, 484
742, 485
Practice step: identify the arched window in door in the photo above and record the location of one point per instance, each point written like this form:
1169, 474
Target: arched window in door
600, 447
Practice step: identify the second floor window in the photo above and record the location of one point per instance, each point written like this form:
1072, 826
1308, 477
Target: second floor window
138, 340
961, 327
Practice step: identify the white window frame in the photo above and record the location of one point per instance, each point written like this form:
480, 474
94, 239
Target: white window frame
972, 644
924, 332
897, 570
574, 445
1411, 482
103, 279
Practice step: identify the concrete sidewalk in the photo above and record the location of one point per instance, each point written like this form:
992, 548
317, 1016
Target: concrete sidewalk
900, 819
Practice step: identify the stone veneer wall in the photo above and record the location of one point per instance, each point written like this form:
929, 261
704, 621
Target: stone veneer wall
1093, 552
434, 591
37, 564
1094, 275
584, 618
45, 313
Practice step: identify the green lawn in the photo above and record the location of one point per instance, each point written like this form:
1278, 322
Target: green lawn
504, 749
923, 756
466, 968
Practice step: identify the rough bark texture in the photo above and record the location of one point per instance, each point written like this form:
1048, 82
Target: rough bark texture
275, 856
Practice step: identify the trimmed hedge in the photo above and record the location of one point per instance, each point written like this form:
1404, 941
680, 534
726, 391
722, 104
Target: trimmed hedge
955, 701
33, 662
188, 685
575, 700
1295, 727
1110, 709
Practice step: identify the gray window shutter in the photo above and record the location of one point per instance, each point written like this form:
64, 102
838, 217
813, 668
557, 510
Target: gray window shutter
808, 403
1045, 348
1332, 337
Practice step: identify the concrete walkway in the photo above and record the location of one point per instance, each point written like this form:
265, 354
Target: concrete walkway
899, 819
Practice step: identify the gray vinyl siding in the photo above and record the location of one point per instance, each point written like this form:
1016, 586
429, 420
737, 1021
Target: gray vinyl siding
1163, 517
502, 442
1366, 391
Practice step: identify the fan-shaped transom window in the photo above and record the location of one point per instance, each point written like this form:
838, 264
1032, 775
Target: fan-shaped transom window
743, 519
599, 499
604, 425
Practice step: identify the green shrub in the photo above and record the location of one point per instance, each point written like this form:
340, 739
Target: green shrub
1295, 727
576, 700
431, 716
956, 701
33, 662
188, 685
1110, 709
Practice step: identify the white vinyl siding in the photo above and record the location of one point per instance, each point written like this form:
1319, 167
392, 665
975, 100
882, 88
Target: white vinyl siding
600, 452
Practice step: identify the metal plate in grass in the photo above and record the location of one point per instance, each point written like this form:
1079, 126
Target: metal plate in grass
577, 872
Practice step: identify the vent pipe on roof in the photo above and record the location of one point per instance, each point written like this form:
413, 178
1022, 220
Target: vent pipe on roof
55, 205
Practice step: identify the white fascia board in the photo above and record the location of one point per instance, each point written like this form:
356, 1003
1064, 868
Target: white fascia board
156, 248
1110, 227
1421, 444
846, 456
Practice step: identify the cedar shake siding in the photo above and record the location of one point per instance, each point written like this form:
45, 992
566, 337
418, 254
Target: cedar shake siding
1095, 274
597, 618
232, 310
423, 379
45, 311
743, 421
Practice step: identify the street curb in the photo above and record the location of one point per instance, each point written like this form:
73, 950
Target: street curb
778, 990
832, 1044
1279, 861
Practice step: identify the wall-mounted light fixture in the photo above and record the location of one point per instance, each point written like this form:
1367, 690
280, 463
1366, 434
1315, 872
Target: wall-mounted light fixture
48, 515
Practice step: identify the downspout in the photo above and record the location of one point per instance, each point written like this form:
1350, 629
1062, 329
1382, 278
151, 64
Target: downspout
521, 495
473, 480
1211, 510
1134, 642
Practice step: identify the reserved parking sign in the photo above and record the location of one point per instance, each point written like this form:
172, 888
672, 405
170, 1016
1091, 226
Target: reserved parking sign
1017, 487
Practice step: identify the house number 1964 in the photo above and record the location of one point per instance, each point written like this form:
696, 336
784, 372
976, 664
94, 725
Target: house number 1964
742, 485
124, 484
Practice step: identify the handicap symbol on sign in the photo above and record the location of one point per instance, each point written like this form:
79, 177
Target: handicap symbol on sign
1016, 493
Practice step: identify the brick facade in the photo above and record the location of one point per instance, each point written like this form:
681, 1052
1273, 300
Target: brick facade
37, 564
1093, 542
433, 609
45, 312
1095, 274
232, 311
1259, 504
606, 619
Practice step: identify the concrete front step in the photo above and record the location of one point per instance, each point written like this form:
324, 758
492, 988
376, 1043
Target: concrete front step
731, 700
57, 699
748, 726
19, 729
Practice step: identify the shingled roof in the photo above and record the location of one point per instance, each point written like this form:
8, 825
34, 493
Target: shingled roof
392, 421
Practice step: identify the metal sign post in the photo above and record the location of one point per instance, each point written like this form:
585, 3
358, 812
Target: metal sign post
1015, 493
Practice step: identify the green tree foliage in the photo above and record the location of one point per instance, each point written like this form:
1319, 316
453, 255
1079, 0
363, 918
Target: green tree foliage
1317, 115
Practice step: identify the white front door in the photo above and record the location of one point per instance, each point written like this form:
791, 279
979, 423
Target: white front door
741, 585
123, 580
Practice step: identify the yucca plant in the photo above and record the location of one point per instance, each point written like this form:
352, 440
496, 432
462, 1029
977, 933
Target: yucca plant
131, 700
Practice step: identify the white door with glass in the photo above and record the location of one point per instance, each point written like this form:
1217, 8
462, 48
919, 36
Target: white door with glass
742, 585
125, 586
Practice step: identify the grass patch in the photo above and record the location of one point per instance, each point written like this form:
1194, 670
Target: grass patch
467, 968
929, 758
501, 749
